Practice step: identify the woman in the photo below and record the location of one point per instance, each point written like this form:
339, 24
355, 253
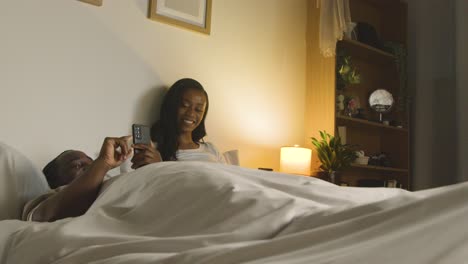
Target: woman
180, 130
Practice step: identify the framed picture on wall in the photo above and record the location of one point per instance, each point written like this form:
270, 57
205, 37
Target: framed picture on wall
93, 2
194, 14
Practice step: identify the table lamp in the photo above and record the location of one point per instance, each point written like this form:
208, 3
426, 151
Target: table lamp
295, 160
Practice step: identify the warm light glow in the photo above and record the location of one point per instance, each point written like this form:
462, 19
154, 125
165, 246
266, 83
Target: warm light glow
295, 160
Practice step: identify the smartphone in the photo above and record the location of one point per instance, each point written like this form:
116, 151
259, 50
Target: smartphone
141, 134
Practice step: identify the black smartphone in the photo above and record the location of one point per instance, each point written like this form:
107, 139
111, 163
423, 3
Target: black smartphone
141, 134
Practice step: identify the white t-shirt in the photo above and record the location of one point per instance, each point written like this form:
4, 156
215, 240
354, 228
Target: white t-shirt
205, 152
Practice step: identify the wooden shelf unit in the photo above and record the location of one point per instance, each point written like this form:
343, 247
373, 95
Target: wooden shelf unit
379, 168
378, 70
351, 121
362, 50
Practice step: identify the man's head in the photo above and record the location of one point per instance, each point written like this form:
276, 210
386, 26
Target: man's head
66, 167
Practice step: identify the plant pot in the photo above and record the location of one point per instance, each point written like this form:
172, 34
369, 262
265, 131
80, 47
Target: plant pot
333, 177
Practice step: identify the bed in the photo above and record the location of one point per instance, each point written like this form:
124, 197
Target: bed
198, 212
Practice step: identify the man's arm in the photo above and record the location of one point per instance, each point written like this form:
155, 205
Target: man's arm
78, 196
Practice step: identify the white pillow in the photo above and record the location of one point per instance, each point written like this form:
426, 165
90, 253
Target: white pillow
20, 181
232, 157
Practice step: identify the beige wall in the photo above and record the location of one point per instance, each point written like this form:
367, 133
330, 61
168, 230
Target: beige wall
72, 73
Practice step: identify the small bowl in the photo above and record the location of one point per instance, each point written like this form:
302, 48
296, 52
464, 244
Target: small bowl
362, 160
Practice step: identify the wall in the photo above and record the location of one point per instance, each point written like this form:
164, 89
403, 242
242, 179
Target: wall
72, 73
432, 75
461, 7
320, 95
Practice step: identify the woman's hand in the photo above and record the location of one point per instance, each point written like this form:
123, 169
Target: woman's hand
114, 151
144, 155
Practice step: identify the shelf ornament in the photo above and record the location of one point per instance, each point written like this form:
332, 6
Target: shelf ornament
346, 72
400, 53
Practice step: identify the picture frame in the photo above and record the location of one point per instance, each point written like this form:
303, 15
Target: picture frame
193, 15
92, 2
352, 104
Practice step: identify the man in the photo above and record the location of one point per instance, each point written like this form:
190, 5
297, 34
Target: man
61, 171
84, 178
66, 167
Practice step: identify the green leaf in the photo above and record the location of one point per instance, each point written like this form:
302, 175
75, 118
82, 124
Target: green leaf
333, 155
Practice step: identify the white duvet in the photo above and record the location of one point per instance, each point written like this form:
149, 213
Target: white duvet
195, 212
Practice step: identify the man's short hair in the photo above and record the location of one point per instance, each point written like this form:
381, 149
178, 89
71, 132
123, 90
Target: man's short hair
51, 171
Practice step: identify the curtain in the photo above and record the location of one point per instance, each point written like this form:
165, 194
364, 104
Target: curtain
335, 21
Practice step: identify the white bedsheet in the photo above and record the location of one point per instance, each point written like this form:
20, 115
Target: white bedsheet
194, 212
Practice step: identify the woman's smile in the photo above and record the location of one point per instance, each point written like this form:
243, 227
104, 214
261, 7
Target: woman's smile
191, 110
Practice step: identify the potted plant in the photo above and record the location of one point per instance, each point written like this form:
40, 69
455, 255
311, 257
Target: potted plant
333, 155
346, 72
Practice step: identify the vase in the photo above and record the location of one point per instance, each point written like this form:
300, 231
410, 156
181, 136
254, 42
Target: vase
339, 103
334, 177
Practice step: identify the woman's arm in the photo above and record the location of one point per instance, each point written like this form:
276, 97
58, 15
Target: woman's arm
78, 196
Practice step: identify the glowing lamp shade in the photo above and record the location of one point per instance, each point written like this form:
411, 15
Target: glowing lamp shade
295, 160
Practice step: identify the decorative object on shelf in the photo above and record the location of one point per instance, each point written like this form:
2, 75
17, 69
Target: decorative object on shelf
333, 155
381, 101
367, 34
360, 114
352, 105
194, 15
295, 160
382, 160
399, 52
361, 158
342, 134
346, 72
93, 2
391, 183
340, 103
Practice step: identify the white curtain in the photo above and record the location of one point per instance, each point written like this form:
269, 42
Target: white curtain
335, 21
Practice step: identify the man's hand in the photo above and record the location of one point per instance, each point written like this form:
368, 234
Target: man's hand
79, 195
114, 151
145, 155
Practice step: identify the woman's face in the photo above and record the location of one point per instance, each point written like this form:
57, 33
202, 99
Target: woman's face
191, 110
